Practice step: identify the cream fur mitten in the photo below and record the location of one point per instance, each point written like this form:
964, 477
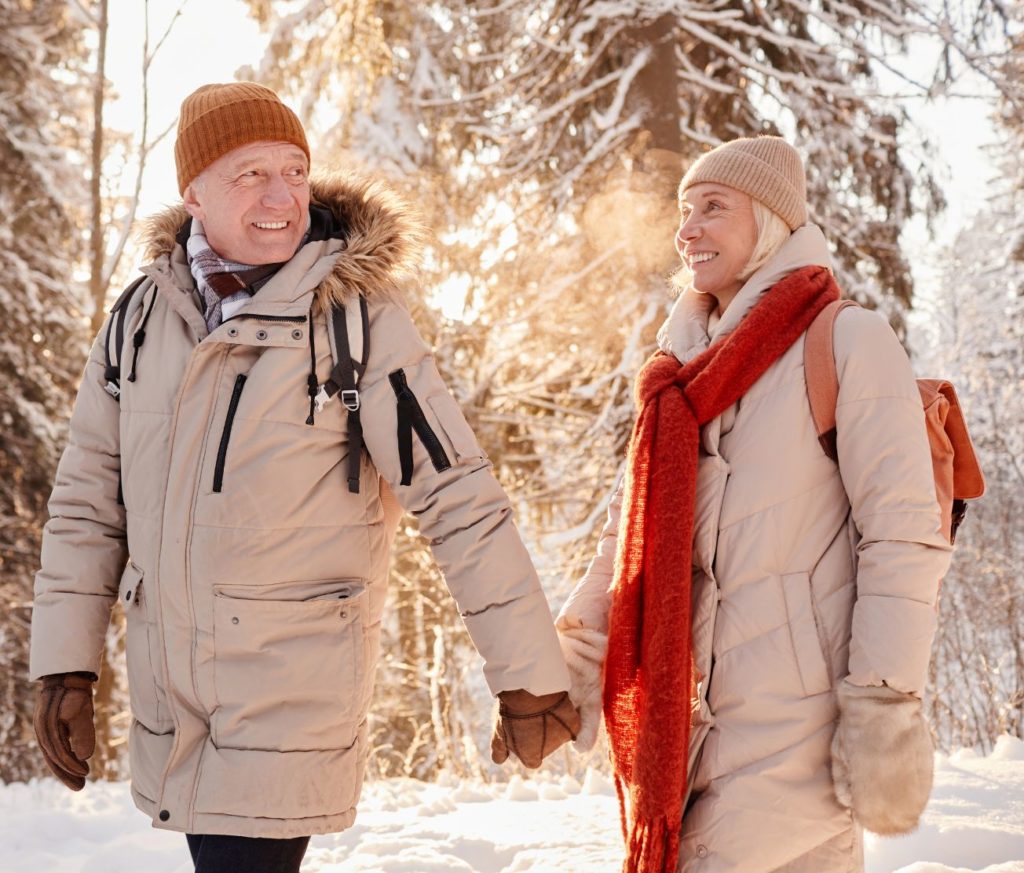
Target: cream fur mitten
882, 757
584, 652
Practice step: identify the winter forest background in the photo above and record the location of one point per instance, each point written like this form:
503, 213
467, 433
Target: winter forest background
542, 140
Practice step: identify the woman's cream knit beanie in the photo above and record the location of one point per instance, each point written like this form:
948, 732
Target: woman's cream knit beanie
766, 167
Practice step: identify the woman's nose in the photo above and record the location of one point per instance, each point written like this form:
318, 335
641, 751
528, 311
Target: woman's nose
688, 232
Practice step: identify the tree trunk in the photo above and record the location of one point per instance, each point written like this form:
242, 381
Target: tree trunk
104, 762
97, 237
656, 86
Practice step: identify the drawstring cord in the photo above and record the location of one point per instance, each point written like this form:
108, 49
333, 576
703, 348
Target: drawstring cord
312, 385
139, 337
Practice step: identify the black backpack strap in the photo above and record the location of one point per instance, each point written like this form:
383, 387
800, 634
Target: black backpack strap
343, 381
118, 316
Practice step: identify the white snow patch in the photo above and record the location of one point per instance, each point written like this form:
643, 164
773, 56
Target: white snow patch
974, 824
974, 821
595, 782
469, 793
551, 792
1008, 749
520, 790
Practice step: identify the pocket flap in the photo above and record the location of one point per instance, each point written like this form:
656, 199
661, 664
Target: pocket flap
452, 422
803, 629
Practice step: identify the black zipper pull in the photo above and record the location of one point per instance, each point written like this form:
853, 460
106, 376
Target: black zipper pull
410, 418
225, 437
406, 406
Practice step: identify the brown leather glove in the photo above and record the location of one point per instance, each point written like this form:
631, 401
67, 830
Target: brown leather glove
531, 727
64, 725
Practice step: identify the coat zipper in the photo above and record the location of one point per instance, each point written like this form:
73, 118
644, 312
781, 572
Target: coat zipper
438, 456
291, 319
225, 437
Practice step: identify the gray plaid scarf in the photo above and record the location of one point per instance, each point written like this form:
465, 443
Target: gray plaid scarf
220, 281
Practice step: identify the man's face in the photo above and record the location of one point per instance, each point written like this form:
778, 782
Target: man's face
253, 202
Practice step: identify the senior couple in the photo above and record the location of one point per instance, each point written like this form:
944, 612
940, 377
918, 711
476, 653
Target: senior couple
259, 410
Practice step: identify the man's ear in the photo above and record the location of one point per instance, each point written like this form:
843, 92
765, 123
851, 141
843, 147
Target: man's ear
192, 204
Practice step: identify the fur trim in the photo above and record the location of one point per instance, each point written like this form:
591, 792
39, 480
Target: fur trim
385, 237
882, 758
584, 651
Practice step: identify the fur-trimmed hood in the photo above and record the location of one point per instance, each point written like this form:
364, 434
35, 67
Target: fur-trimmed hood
383, 236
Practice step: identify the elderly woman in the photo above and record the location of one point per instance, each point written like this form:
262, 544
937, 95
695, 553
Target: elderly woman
756, 623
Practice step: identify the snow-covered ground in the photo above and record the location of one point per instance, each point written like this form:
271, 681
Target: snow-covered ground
975, 822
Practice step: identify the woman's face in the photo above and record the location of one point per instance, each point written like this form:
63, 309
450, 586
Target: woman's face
716, 238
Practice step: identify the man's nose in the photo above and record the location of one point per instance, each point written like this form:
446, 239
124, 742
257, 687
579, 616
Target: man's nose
276, 192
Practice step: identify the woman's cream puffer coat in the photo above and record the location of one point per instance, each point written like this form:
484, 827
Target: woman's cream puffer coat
804, 576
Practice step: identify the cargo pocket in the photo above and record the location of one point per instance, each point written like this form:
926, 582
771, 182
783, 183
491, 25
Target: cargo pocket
147, 704
289, 675
803, 631
450, 421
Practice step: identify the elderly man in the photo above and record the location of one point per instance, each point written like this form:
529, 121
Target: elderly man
239, 505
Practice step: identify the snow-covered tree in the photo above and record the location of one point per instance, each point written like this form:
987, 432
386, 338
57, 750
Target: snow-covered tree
43, 331
978, 341
978, 667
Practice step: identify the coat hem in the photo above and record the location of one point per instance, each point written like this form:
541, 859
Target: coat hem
245, 826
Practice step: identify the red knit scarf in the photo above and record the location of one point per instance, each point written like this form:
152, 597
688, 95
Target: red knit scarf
647, 686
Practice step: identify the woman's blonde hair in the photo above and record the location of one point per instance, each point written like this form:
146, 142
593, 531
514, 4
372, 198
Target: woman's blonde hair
771, 233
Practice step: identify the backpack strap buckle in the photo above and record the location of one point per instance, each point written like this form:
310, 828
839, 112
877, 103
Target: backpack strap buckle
350, 399
321, 398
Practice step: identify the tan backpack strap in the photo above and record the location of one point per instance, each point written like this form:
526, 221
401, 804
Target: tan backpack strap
820, 374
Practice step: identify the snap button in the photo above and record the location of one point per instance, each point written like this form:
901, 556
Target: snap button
164, 815
261, 334
296, 334
234, 620
232, 331
702, 851
343, 614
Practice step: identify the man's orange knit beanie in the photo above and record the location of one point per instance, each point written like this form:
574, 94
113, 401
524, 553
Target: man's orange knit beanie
215, 119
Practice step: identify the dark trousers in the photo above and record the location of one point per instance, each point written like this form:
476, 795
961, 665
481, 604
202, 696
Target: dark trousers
214, 853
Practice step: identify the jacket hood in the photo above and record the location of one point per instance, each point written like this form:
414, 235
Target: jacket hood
383, 236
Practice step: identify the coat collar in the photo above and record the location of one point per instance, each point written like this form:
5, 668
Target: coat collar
691, 325
366, 241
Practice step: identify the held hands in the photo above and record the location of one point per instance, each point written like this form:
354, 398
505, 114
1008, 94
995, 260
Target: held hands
531, 728
584, 650
64, 725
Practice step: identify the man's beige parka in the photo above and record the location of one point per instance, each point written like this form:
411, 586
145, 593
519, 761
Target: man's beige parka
252, 579
805, 574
